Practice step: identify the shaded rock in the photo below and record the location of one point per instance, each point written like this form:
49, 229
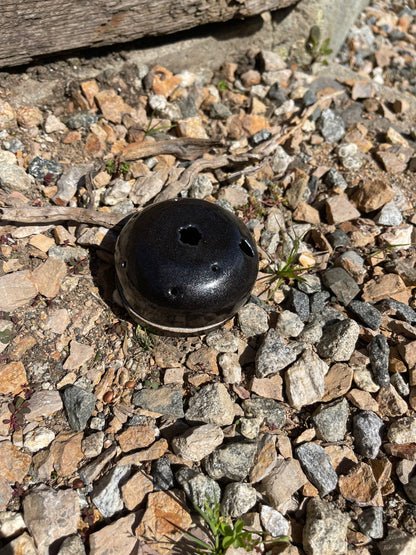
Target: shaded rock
164, 400
389, 401
197, 443
72, 545
318, 467
163, 521
117, 537
325, 531
297, 302
238, 499
135, 489
211, 404
223, 341
106, 494
50, 515
398, 310
371, 522
273, 355
268, 409
283, 481
198, 487
379, 354
342, 285
232, 461
366, 313
339, 340
23, 544
266, 458
398, 542
331, 421
367, 433
304, 380
79, 405
162, 475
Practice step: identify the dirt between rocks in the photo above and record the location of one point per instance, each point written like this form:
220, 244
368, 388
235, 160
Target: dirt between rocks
298, 414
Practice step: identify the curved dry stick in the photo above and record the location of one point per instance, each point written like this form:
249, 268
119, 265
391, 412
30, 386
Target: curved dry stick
34, 215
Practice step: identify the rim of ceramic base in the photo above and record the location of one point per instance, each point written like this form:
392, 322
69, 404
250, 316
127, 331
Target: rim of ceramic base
148, 323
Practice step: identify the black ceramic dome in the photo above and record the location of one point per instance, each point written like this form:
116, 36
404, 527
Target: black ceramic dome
185, 265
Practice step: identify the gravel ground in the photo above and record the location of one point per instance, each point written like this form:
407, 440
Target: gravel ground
298, 415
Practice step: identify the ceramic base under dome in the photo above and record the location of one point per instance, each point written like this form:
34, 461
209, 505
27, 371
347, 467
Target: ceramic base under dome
185, 265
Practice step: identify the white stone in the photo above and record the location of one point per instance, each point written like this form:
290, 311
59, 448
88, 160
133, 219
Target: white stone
38, 439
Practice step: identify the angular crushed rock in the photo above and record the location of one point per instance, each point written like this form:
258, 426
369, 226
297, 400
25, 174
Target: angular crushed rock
211, 404
379, 354
232, 461
273, 355
79, 405
367, 433
339, 340
318, 467
325, 531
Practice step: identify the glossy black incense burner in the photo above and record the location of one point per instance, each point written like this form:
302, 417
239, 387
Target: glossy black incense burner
185, 265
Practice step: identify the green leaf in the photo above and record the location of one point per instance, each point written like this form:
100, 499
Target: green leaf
19, 402
315, 34
227, 541
238, 527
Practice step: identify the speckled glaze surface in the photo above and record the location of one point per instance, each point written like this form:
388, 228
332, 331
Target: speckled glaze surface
185, 265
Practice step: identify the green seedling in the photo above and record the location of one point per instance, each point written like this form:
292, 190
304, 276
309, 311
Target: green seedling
224, 533
285, 270
18, 408
315, 48
389, 248
144, 339
78, 266
155, 128
6, 336
116, 167
222, 85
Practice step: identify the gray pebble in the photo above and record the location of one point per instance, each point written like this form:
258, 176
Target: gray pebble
367, 433
82, 119
39, 168
232, 461
339, 340
268, 409
317, 466
371, 522
379, 354
298, 302
273, 355
366, 313
198, 487
79, 405
331, 421
238, 499
332, 126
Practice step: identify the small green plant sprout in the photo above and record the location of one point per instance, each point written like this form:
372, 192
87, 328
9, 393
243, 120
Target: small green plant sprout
6, 336
315, 48
155, 128
285, 270
224, 533
18, 408
116, 167
144, 339
222, 85
388, 247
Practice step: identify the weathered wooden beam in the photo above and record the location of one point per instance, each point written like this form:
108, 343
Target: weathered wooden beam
33, 28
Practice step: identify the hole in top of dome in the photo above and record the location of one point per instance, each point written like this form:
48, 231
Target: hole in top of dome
246, 247
189, 235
